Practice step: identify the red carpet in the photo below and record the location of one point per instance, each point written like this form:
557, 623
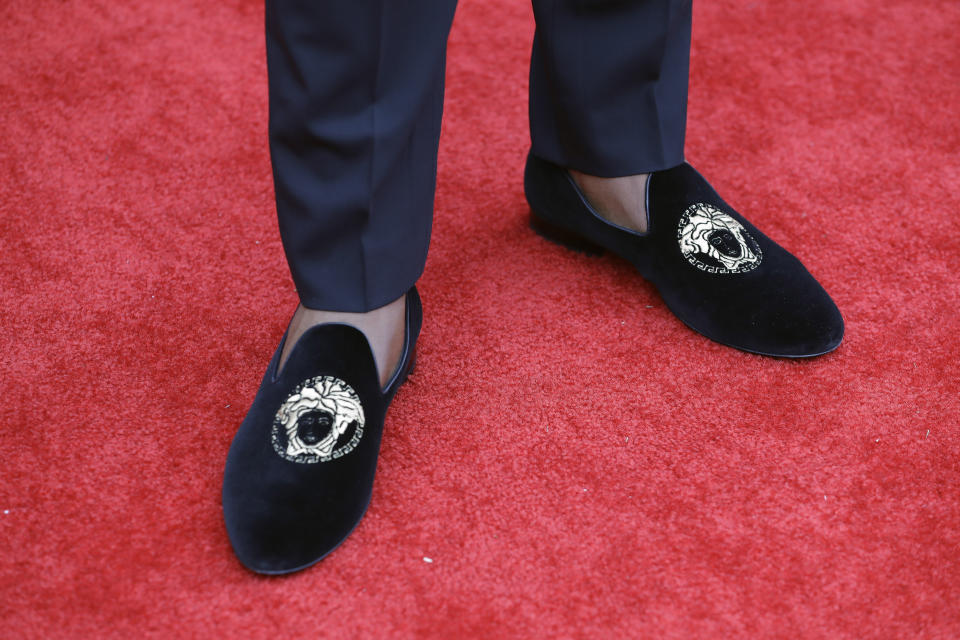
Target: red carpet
573, 460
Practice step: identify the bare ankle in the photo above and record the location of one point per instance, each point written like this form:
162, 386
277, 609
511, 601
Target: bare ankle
622, 201
383, 327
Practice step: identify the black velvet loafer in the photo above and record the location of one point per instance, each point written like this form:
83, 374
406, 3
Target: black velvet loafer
299, 474
716, 272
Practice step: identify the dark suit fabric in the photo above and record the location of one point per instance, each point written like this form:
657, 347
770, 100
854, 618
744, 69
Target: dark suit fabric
356, 97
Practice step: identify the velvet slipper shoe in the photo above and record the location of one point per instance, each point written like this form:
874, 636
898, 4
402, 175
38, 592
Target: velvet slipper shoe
716, 272
299, 474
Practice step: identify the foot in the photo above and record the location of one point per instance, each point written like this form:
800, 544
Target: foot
300, 471
716, 271
383, 328
622, 201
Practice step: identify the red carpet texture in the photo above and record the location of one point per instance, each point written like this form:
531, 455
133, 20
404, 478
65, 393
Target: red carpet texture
568, 461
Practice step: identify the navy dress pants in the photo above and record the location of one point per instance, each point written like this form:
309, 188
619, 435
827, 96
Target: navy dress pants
356, 97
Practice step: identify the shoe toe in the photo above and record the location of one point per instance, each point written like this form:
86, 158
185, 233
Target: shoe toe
805, 330
277, 528
795, 321
778, 309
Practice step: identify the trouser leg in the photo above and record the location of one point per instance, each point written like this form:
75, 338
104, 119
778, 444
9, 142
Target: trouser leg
608, 84
356, 97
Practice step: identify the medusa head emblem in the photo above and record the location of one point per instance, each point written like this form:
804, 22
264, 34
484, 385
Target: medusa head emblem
321, 420
714, 242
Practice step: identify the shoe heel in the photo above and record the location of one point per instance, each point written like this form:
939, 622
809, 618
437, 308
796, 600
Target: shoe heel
563, 237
